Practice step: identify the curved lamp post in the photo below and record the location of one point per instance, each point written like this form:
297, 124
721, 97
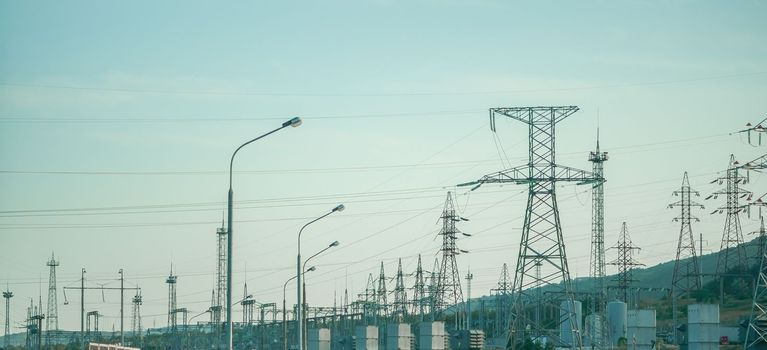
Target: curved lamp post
295, 122
284, 310
340, 207
303, 302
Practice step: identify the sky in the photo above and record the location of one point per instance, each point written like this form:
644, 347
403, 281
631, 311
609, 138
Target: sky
118, 120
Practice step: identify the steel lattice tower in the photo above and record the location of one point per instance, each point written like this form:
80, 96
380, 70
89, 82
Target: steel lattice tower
419, 291
7, 295
383, 304
762, 235
597, 269
686, 278
400, 296
218, 308
52, 319
502, 301
433, 293
136, 317
757, 324
542, 241
625, 263
171, 281
448, 278
732, 253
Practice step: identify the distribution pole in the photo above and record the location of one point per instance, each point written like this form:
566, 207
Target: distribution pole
469, 277
122, 297
82, 310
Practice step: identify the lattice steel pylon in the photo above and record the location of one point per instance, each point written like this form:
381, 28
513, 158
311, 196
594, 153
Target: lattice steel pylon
502, 294
419, 292
686, 278
757, 325
732, 253
542, 240
52, 318
381, 302
218, 308
448, 278
136, 318
597, 269
171, 281
625, 263
400, 296
7, 295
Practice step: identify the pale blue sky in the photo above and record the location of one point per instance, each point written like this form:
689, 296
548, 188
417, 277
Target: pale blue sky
394, 96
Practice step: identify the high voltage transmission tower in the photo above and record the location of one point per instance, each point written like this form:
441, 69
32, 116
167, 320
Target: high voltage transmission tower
400, 296
757, 325
52, 320
383, 304
542, 242
625, 263
686, 278
419, 291
761, 236
597, 270
732, 253
7, 295
171, 281
448, 278
502, 294
136, 319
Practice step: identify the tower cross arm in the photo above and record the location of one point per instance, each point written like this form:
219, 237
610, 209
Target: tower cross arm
522, 175
533, 115
758, 164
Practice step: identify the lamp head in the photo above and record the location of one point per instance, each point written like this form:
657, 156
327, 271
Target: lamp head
313, 268
295, 122
340, 207
335, 244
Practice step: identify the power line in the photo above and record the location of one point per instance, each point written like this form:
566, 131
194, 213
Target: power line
378, 94
179, 119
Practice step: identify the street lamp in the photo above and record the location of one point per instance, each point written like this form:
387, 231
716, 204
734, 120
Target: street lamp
303, 302
292, 122
340, 207
284, 310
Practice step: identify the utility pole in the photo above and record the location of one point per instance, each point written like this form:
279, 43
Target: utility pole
686, 278
82, 310
469, 277
732, 254
82, 289
542, 240
597, 263
122, 299
625, 263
